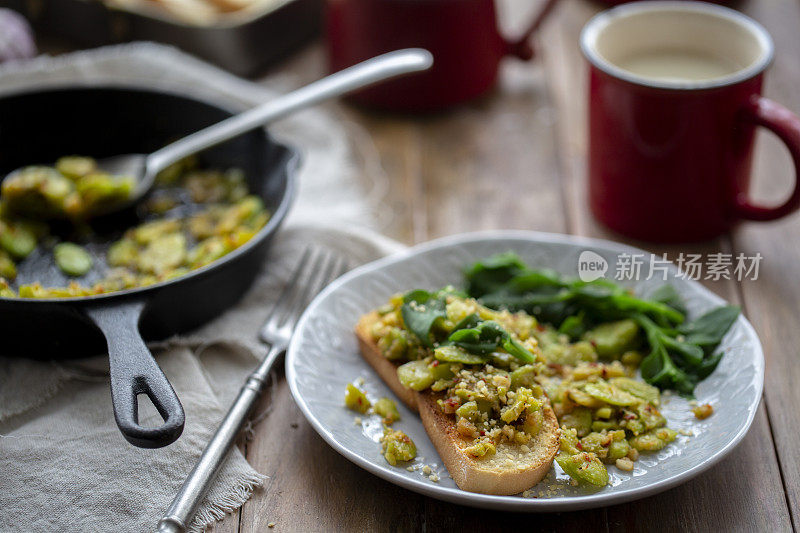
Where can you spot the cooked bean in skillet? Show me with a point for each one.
(194, 217)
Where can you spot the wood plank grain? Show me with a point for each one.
(385, 148)
(731, 496)
(442, 516)
(448, 157)
(313, 488)
(229, 524)
(753, 500)
(773, 301)
(493, 164)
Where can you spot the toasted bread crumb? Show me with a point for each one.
(701, 412)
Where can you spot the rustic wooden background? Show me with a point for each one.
(516, 159)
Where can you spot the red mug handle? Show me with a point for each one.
(786, 125)
(522, 47)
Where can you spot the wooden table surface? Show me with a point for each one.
(516, 159)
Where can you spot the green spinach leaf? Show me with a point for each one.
(667, 294)
(574, 326)
(469, 321)
(708, 330)
(681, 353)
(658, 369)
(421, 310)
(493, 273)
(488, 337)
(482, 339)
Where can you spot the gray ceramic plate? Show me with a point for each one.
(323, 358)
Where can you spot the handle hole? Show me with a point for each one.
(147, 413)
(773, 170)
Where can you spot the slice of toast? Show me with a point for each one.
(511, 470)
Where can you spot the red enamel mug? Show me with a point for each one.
(674, 100)
(462, 35)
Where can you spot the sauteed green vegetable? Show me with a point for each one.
(72, 189)
(193, 218)
(681, 353)
(516, 335)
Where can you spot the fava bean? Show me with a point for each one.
(72, 259)
(101, 188)
(162, 254)
(640, 389)
(207, 251)
(394, 344)
(18, 239)
(397, 446)
(585, 468)
(8, 270)
(610, 394)
(122, 253)
(154, 251)
(579, 419)
(387, 409)
(612, 339)
(75, 167)
(419, 375)
(355, 399)
(150, 231)
(454, 354)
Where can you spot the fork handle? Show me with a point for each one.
(184, 505)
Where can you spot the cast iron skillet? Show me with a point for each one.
(38, 127)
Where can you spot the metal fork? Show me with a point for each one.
(316, 269)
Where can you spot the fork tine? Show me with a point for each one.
(300, 275)
(311, 288)
(295, 288)
(290, 284)
(337, 267)
(316, 267)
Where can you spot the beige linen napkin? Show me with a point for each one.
(63, 464)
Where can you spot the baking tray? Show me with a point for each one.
(242, 45)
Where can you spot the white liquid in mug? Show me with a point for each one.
(678, 65)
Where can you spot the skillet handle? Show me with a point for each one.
(134, 371)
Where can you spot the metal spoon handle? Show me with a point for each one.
(356, 77)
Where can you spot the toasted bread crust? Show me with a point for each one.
(385, 368)
(509, 471)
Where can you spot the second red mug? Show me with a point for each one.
(462, 35)
(674, 100)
